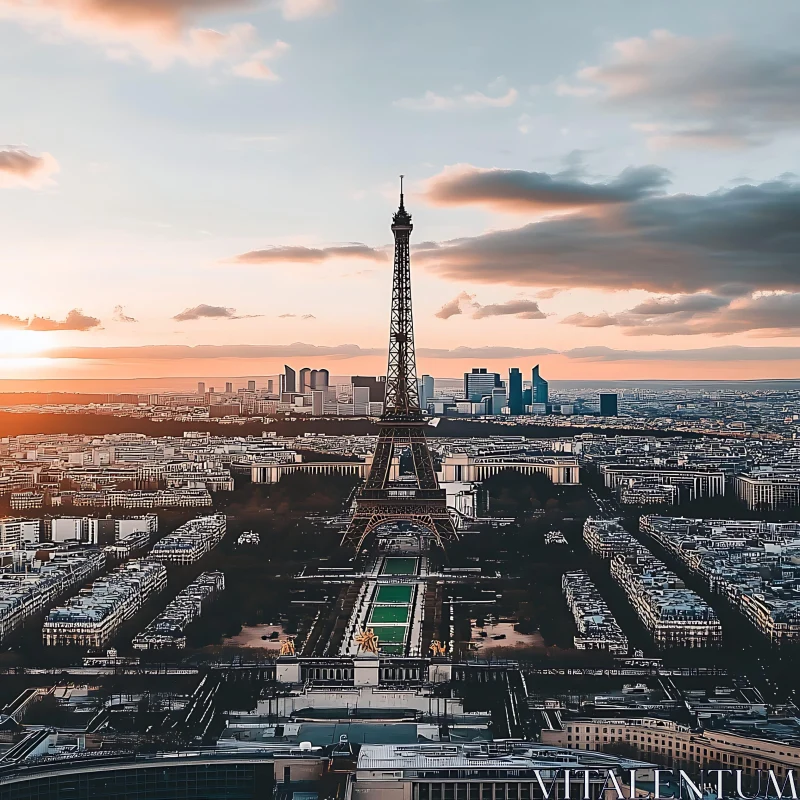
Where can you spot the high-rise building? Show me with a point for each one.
(317, 402)
(360, 401)
(251, 386)
(425, 391)
(539, 387)
(201, 387)
(479, 383)
(320, 379)
(305, 380)
(376, 386)
(499, 400)
(270, 386)
(515, 391)
(288, 380)
(228, 387)
(608, 404)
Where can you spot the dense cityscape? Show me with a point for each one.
(319, 481)
(486, 574)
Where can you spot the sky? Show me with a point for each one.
(205, 187)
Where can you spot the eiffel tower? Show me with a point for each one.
(402, 426)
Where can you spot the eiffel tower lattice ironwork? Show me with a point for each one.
(383, 499)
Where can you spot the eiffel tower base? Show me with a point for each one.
(432, 517)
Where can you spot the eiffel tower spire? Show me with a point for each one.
(383, 498)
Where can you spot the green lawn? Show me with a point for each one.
(399, 566)
(389, 614)
(394, 594)
(393, 634)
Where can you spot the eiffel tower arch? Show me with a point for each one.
(382, 499)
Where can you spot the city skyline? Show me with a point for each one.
(214, 211)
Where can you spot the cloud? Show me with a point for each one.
(121, 316)
(589, 321)
(521, 309)
(487, 352)
(453, 307)
(303, 9)
(11, 321)
(310, 255)
(255, 66)
(775, 314)
(302, 316)
(732, 241)
(204, 311)
(712, 92)
(18, 168)
(75, 320)
(307, 316)
(518, 191)
(179, 352)
(159, 32)
(430, 101)
(701, 354)
(345, 351)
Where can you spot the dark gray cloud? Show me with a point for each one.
(701, 354)
(685, 91)
(75, 320)
(204, 311)
(518, 190)
(686, 315)
(310, 255)
(730, 241)
(521, 309)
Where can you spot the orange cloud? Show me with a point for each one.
(20, 168)
(158, 31)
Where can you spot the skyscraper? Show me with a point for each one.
(305, 380)
(499, 400)
(608, 404)
(425, 391)
(201, 387)
(228, 387)
(288, 380)
(479, 383)
(376, 386)
(539, 387)
(515, 391)
(321, 380)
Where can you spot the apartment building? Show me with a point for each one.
(92, 618)
(191, 541)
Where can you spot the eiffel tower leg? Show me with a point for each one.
(445, 530)
(356, 530)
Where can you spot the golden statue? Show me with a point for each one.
(438, 650)
(287, 647)
(367, 641)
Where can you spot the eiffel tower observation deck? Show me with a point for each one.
(417, 499)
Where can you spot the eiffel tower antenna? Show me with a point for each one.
(383, 498)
